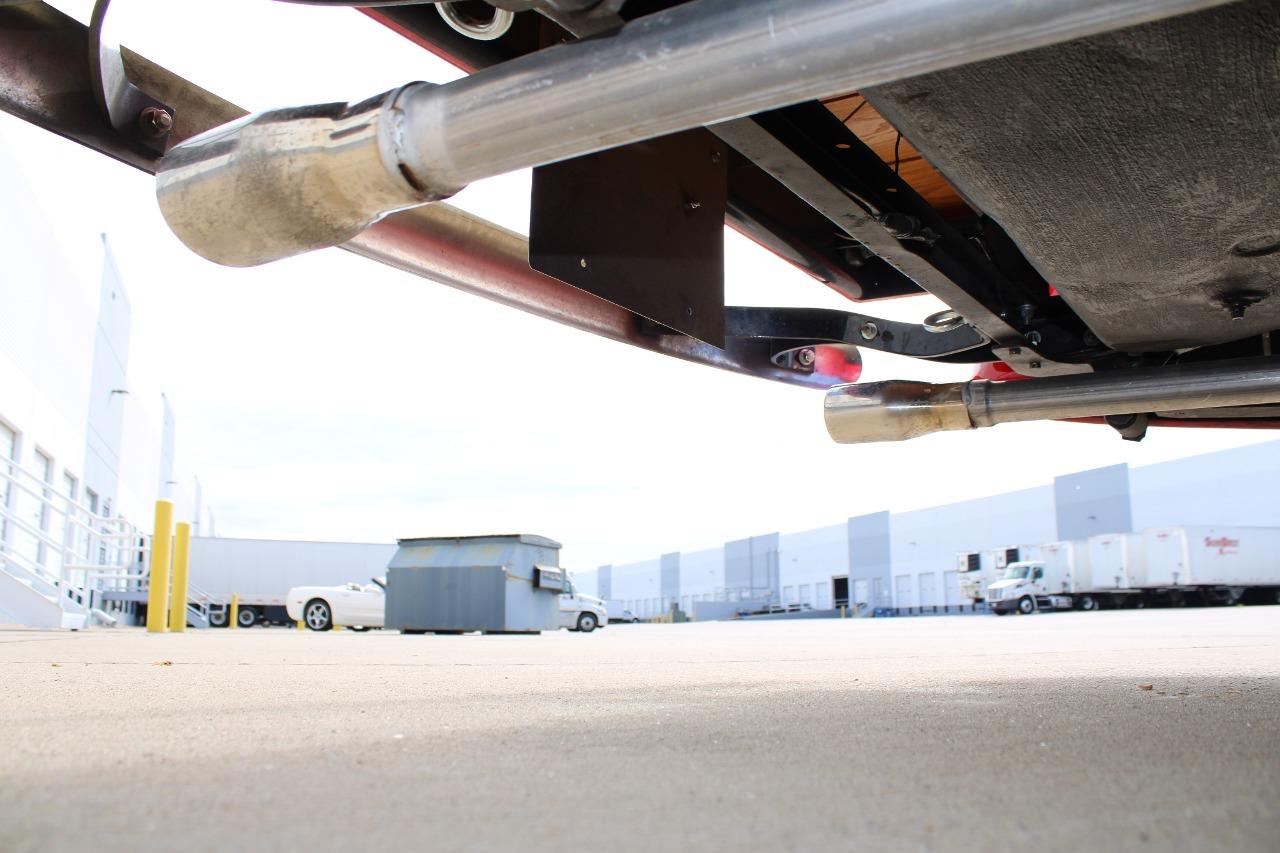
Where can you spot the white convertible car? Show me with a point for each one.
(350, 605)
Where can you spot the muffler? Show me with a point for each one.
(284, 182)
(897, 410)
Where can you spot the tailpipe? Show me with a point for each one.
(287, 181)
(897, 410)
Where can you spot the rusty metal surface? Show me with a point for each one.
(45, 79)
(466, 252)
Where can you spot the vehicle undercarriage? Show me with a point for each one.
(1092, 187)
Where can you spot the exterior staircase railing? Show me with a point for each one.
(60, 550)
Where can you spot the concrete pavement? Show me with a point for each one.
(947, 733)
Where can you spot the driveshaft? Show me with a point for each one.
(897, 410)
(284, 182)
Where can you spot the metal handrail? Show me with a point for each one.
(106, 550)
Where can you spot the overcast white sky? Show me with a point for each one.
(326, 397)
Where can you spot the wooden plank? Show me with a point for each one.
(880, 136)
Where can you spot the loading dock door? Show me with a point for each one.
(840, 591)
(902, 591)
(951, 588)
(928, 589)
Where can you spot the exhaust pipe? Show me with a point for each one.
(898, 410)
(284, 182)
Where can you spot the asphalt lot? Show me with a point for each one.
(946, 733)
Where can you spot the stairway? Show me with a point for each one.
(56, 556)
(28, 598)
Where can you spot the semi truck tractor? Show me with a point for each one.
(1049, 582)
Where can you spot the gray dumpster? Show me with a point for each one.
(475, 583)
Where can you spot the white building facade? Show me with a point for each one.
(82, 448)
(907, 561)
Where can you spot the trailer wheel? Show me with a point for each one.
(317, 615)
(218, 618)
(247, 617)
(586, 622)
(1140, 603)
(1026, 605)
(1087, 602)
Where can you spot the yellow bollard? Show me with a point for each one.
(158, 585)
(234, 616)
(181, 564)
(301, 625)
(337, 627)
(842, 611)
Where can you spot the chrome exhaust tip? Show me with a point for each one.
(284, 182)
(895, 410)
(898, 410)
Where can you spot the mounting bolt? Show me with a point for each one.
(155, 121)
(582, 262)
(806, 357)
(1240, 301)
(715, 156)
(1033, 339)
(1035, 365)
(869, 330)
(692, 204)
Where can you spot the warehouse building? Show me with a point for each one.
(85, 449)
(906, 561)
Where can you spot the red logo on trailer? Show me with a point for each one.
(1224, 544)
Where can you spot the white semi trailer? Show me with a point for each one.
(261, 571)
(976, 570)
(1214, 564)
(1118, 562)
(1167, 565)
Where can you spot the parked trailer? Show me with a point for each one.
(1117, 562)
(977, 570)
(1160, 566)
(261, 572)
(1213, 564)
(1104, 571)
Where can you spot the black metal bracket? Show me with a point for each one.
(794, 328)
(641, 226)
(819, 159)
